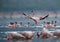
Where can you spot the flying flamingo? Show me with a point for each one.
(36, 19)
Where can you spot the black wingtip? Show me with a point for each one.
(44, 17)
(24, 14)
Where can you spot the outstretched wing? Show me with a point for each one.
(31, 18)
(44, 17)
(24, 14)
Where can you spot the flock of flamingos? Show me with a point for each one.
(45, 33)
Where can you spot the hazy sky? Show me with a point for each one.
(14, 5)
(29, 13)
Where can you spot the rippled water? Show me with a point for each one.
(34, 39)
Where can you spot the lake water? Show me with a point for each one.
(4, 22)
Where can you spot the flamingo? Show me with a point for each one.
(45, 33)
(19, 35)
(57, 33)
(36, 19)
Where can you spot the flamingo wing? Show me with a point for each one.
(44, 17)
(30, 18)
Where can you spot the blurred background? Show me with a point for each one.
(11, 10)
(23, 5)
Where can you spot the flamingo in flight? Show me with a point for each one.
(36, 19)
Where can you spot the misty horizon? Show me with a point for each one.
(36, 13)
